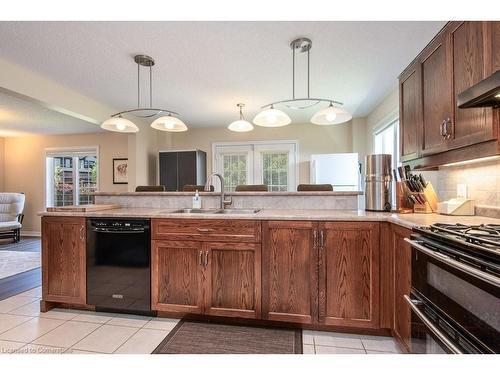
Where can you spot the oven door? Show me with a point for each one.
(433, 333)
(462, 297)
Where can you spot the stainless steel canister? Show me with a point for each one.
(378, 186)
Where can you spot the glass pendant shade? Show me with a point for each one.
(331, 116)
(120, 125)
(169, 124)
(240, 126)
(272, 118)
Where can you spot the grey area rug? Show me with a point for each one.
(191, 337)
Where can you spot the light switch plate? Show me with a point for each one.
(461, 191)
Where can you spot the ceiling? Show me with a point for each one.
(203, 69)
(21, 116)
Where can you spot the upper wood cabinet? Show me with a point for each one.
(289, 271)
(471, 63)
(63, 260)
(410, 113)
(437, 103)
(432, 126)
(349, 274)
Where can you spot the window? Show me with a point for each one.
(386, 141)
(271, 163)
(71, 176)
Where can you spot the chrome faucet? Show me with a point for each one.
(223, 201)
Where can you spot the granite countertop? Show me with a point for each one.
(405, 220)
(233, 193)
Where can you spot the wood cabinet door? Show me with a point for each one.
(402, 285)
(410, 116)
(63, 260)
(437, 98)
(349, 274)
(471, 63)
(289, 271)
(177, 276)
(233, 279)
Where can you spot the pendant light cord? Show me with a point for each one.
(293, 73)
(150, 87)
(138, 86)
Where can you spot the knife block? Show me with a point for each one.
(431, 201)
(402, 204)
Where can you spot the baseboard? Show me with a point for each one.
(30, 233)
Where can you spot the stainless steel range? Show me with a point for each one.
(455, 295)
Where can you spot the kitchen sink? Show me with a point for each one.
(227, 211)
(236, 211)
(195, 211)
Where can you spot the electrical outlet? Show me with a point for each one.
(461, 191)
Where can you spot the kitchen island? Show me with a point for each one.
(322, 269)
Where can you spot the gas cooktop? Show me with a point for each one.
(482, 239)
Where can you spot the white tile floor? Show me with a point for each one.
(23, 329)
(343, 343)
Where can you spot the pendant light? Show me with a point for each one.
(169, 124)
(272, 118)
(240, 125)
(331, 115)
(165, 123)
(119, 124)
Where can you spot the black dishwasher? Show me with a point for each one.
(119, 265)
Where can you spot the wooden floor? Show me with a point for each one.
(26, 244)
(21, 282)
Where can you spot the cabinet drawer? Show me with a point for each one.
(206, 230)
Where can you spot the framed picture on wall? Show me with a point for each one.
(120, 171)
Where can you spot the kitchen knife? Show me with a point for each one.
(418, 184)
(422, 180)
(407, 171)
(401, 173)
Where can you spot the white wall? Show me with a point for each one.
(2, 164)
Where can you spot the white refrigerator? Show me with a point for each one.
(339, 170)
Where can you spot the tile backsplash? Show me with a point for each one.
(482, 180)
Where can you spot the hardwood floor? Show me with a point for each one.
(26, 244)
(23, 281)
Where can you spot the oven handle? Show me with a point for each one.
(495, 281)
(413, 304)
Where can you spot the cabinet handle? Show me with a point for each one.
(200, 258)
(322, 238)
(204, 230)
(315, 238)
(444, 128)
(206, 258)
(82, 228)
(441, 129)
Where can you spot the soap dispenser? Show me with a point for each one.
(197, 200)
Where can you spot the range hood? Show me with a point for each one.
(483, 94)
